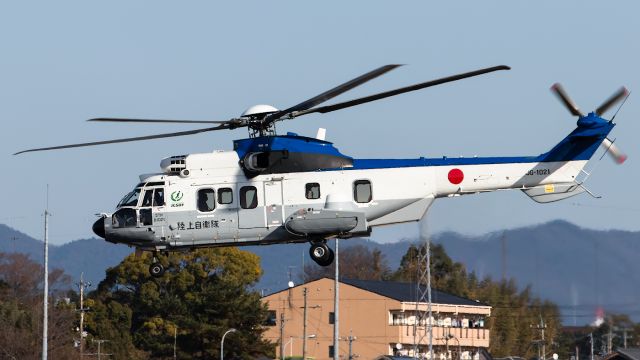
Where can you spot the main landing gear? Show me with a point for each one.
(156, 269)
(321, 253)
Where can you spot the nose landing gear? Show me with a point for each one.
(321, 253)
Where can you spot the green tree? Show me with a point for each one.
(513, 314)
(356, 262)
(202, 294)
(446, 275)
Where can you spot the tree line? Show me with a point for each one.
(206, 292)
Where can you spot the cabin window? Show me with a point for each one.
(206, 200)
(248, 197)
(312, 191)
(158, 197)
(225, 196)
(362, 191)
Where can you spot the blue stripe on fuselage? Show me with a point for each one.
(362, 164)
(580, 144)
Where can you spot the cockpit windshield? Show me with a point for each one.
(131, 199)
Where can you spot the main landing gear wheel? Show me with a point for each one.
(321, 254)
(156, 269)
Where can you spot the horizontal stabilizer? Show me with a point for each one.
(554, 192)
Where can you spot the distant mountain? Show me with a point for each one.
(577, 268)
(91, 256)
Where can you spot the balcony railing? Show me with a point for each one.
(465, 337)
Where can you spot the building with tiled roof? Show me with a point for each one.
(376, 318)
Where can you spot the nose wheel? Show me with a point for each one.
(156, 269)
(321, 254)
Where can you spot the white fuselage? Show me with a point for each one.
(384, 195)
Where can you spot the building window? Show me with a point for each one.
(248, 197)
(312, 191)
(332, 318)
(398, 319)
(206, 200)
(331, 351)
(271, 318)
(362, 191)
(225, 196)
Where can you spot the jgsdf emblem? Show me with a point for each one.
(176, 195)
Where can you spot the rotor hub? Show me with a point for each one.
(259, 111)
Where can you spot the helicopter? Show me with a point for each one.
(273, 189)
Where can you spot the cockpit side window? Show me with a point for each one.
(158, 197)
(206, 200)
(146, 200)
(124, 218)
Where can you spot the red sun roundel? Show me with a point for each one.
(455, 176)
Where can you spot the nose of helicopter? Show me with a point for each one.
(98, 227)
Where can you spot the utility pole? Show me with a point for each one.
(591, 337)
(351, 338)
(282, 334)
(100, 342)
(624, 337)
(336, 307)
(610, 337)
(541, 343)
(45, 305)
(175, 341)
(14, 238)
(304, 326)
(81, 286)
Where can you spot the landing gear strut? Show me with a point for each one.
(156, 269)
(321, 253)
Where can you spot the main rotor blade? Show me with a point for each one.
(566, 100)
(157, 121)
(148, 137)
(319, 99)
(386, 94)
(617, 96)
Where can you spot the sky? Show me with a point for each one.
(64, 62)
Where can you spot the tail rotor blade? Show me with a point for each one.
(614, 99)
(566, 100)
(618, 156)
